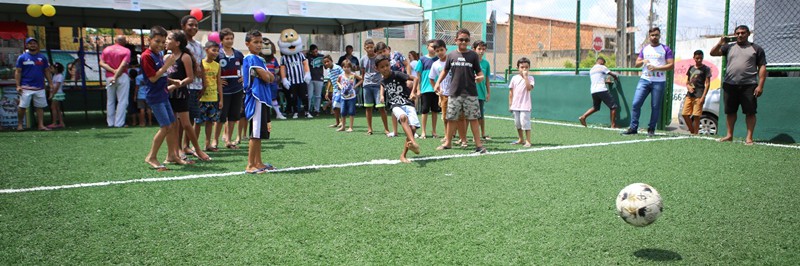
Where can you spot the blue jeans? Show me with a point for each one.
(645, 87)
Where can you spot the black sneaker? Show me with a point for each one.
(651, 132)
(630, 131)
(480, 150)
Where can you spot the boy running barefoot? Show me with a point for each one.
(257, 101)
(395, 93)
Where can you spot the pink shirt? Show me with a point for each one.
(114, 55)
(521, 100)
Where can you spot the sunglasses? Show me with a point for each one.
(463, 39)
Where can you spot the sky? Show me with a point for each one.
(695, 18)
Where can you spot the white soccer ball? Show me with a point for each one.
(639, 204)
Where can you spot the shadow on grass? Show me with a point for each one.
(655, 254)
(509, 147)
(113, 134)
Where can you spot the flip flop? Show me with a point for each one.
(256, 171)
(515, 143)
(212, 149)
(232, 146)
(159, 168)
(527, 145)
(44, 129)
(369, 133)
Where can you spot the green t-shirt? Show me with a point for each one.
(482, 85)
(424, 69)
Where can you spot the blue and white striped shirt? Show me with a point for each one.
(333, 76)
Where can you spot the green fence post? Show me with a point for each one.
(723, 122)
(578, 37)
(510, 38)
(666, 106)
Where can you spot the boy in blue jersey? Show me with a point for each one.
(257, 101)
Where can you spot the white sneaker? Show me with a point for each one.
(391, 134)
(416, 136)
(308, 115)
(294, 116)
(280, 116)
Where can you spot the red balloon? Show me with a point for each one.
(196, 13)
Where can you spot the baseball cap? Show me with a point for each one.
(29, 39)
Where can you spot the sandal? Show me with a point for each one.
(231, 146)
(212, 149)
(369, 133)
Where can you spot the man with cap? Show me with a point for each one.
(114, 61)
(31, 70)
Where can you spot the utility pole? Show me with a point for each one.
(622, 34)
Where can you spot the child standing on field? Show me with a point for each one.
(211, 95)
(334, 95)
(155, 69)
(519, 101)
(57, 97)
(141, 100)
(347, 86)
(257, 102)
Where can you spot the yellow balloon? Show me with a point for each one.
(48, 10)
(34, 10)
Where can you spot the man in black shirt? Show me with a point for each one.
(349, 56)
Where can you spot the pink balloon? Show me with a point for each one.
(259, 16)
(214, 37)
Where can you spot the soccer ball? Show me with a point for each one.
(639, 204)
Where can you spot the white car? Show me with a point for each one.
(710, 117)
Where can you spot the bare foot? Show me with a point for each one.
(749, 142)
(404, 160)
(413, 147)
(583, 120)
(726, 138)
(340, 129)
(350, 129)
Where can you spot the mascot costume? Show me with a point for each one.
(295, 73)
(268, 53)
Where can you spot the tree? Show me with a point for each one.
(588, 62)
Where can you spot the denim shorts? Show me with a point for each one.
(163, 113)
(372, 96)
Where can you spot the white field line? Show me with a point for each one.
(658, 134)
(314, 167)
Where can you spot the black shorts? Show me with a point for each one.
(259, 128)
(231, 107)
(179, 105)
(743, 95)
(605, 97)
(430, 103)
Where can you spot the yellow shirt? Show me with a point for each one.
(212, 71)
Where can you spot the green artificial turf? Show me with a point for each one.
(724, 203)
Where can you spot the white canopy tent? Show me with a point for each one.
(319, 16)
(306, 16)
(104, 13)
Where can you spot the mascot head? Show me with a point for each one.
(290, 42)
